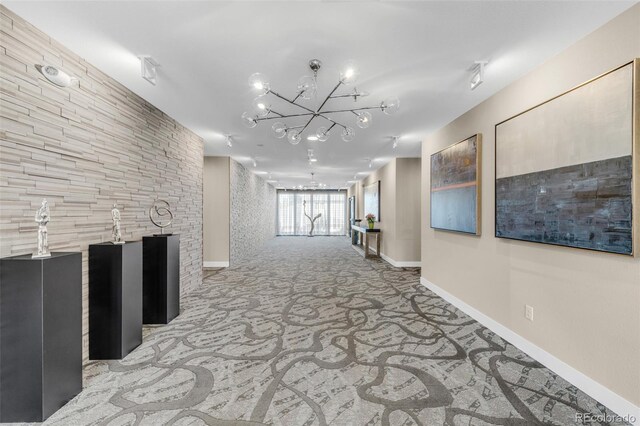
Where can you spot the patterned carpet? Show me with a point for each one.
(310, 333)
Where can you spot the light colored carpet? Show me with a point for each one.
(310, 333)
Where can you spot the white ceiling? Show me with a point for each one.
(418, 51)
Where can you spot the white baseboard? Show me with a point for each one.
(396, 263)
(401, 264)
(586, 384)
(210, 264)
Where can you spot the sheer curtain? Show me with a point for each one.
(331, 204)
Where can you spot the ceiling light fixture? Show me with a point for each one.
(370, 163)
(477, 74)
(311, 157)
(255, 163)
(149, 69)
(396, 139)
(307, 89)
(228, 140)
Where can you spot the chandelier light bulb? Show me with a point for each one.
(307, 87)
(293, 136)
(322, 134)
(349, 73)
(262, 106)
(248, 120)
(390, 105)
(347, 134)
(259, 82)
(280, 129)
(364, 119)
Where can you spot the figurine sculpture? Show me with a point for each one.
(313, 221)
(115, 230)
(43, 215)
(159, 209)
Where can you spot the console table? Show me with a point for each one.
(364, 245)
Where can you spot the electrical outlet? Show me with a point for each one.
(528, 312)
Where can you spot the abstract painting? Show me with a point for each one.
(455, 187)
(372, 199)
(564, 169)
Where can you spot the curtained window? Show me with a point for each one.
(331, 204)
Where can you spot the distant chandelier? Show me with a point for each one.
(306, 89)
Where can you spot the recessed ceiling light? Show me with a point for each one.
(312, 138)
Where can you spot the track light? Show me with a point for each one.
(148, 69)
(477, 74)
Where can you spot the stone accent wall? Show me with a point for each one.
(83, 148)
(253, 212)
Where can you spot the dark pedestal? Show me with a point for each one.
(160, 278)
(115, 299)
(40, 335)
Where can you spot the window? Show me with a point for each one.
(331, 205)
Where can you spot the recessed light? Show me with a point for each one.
(312, 138)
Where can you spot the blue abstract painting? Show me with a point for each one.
(564, 169)
(455, 190)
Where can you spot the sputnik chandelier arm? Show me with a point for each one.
(307, 88)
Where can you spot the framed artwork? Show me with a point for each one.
(456, 186)
(565, 169)
(372, 199)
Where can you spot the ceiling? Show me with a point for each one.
(418, 51)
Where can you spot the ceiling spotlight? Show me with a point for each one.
(477, 74)
(396, 139)
(370, 164)
(149, 69)
(255, 163)
(228, 139)
(311, 157)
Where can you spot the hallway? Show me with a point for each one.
(310, 333)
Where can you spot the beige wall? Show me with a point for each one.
(84, 148)
(399, 207)
(215, 188)
(586, 303)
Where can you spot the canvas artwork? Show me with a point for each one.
(372, 200)
(455, 187)
(564, 168)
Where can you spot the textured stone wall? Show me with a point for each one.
(84, 148)
(253, 212)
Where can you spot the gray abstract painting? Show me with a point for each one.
(564, 168)
(455, 187)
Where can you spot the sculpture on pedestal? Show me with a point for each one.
(313, 221)
(43, 215)
(115, 230)
(157, 211)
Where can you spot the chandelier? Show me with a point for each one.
(306, 90)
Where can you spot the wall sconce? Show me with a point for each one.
(56, 76)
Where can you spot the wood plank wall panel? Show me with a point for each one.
(83, 148)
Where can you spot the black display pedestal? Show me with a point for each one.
(115, 299)
(160, 278)
(41, 335)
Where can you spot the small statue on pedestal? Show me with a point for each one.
(43, 215)
(115, 230)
